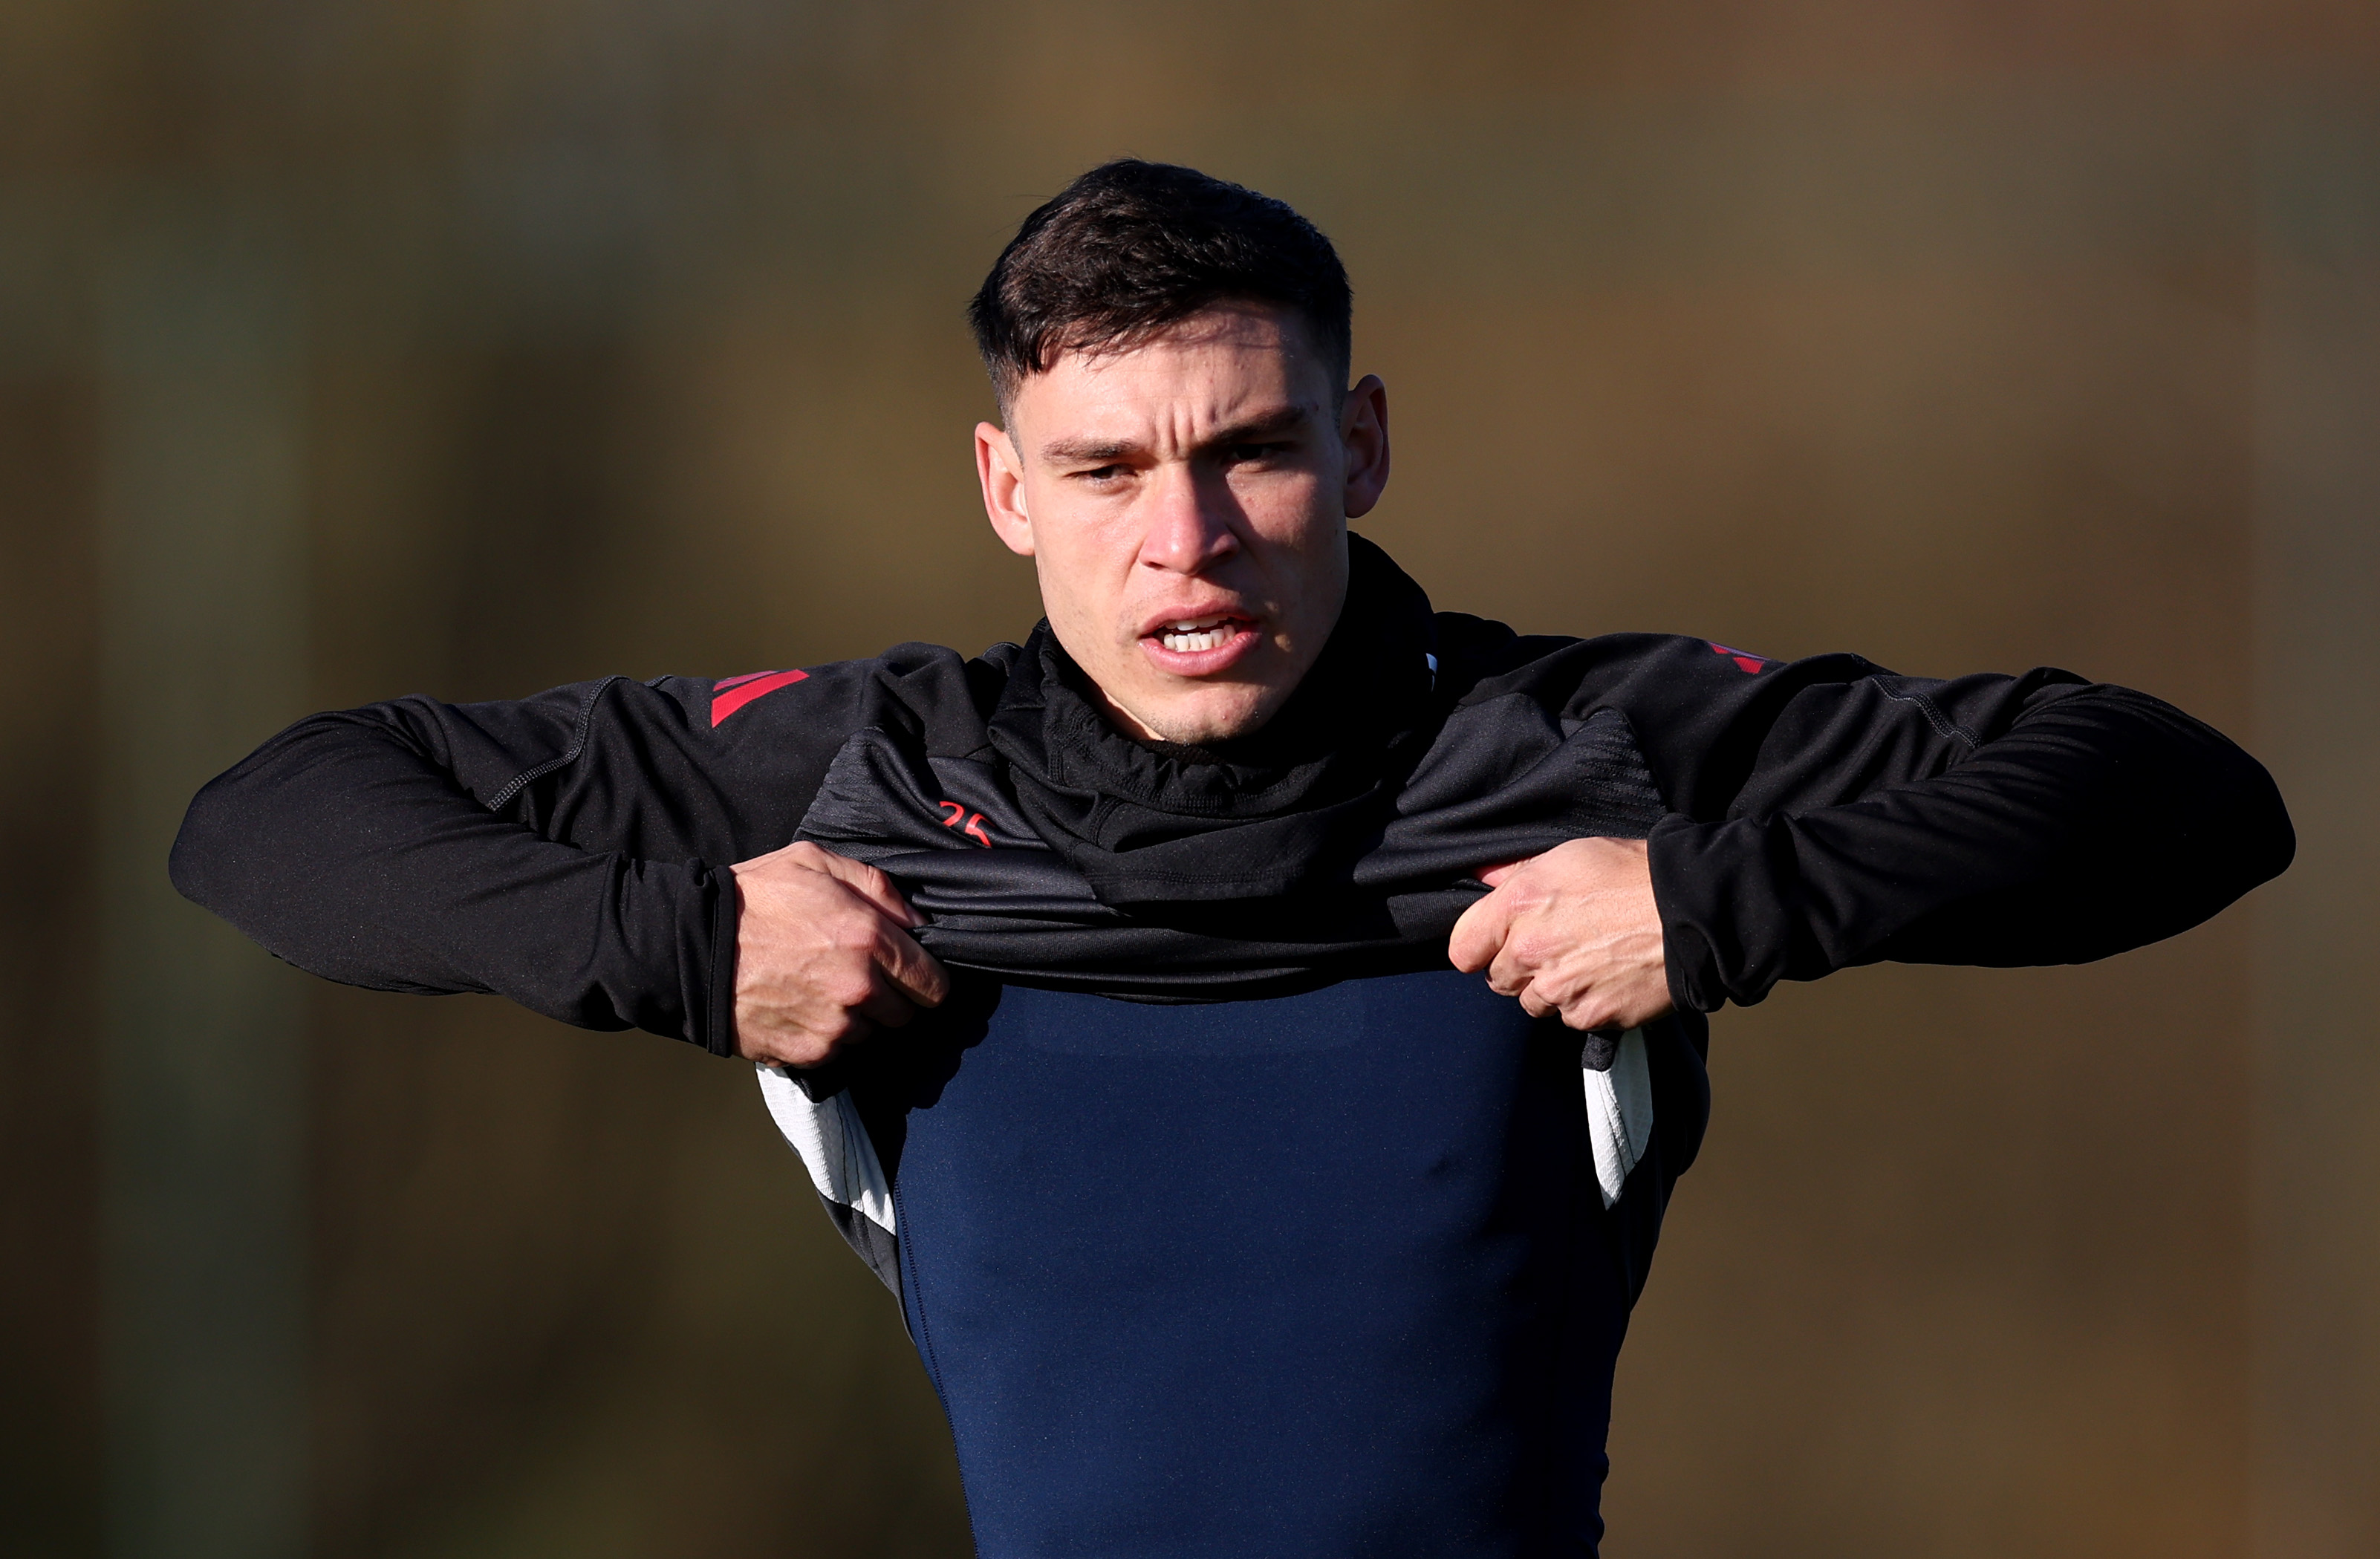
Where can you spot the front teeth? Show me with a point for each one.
(1188, 638)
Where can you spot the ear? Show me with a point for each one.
(1002, 475)
(1364, 430)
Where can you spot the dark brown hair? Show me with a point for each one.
(1132, 247)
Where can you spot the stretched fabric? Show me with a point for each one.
(1342, 840)
(569, 851)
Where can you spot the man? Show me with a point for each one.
(1121, 990)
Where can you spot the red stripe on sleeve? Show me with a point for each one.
(747, 688)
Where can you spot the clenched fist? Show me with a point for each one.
(1573, 931)
(823, 956)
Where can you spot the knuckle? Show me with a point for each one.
(803, 1049)
(1588, 1014)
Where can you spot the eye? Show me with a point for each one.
(1100, 474)
(1242, 454)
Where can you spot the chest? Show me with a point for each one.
(1167, 1263)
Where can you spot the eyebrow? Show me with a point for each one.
(1104, 452)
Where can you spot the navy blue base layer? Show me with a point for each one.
(1325, 1275)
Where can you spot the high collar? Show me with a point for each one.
(1285, 808)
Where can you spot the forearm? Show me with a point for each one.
(348, 847)
(2100, 822)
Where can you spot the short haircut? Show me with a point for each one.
(1131, 248)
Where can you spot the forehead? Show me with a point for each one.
(1216, 365)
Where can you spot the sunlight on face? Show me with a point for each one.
(1186, 503)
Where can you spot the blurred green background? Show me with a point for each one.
(472, 347)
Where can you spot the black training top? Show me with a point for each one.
(569, 851)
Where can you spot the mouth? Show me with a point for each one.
(1198, 644)
(1192, 635)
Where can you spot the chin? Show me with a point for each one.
(1202, 723)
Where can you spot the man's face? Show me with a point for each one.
(1186, 503)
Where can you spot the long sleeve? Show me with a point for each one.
(1827, 814)
(568, 852)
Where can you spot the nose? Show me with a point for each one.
(1190, 527)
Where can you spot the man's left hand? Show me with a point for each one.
(1573, 931)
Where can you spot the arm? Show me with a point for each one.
(569, 851)
(1827, 813)
(2050, 823)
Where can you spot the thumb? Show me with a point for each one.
(873, 885)
(1478, 936)
(918, 973)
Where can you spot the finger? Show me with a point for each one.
(1508, 973)
(1480, 934)
(1587, 1014)
(799, 1047)
(1494, 876)
(811, 1051)
(871, 885)
(884, 1006)
(915, 972)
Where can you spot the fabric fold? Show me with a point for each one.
(1342, 840)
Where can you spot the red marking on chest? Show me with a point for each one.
(974, 828)
(734, 693)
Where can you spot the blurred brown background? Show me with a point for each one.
(469, 347)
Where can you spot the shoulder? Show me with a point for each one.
(1489, 661)
(927, 690)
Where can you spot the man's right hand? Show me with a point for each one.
(823, 956)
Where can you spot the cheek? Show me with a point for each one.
(1287, 508)
(1082, 585)
(1299, 521)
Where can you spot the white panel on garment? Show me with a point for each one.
(1620, 1113)
(833, 1145)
